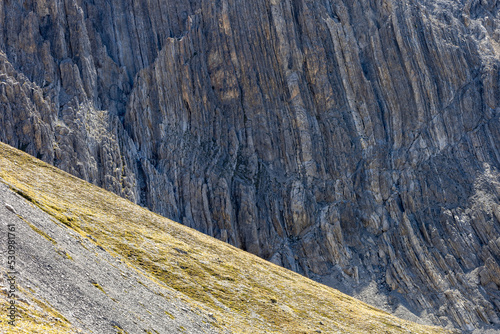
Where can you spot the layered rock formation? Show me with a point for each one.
(350, 139)
(88, 261)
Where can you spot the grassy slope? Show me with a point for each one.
(245, 293)
(37, 318)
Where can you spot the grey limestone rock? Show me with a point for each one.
(351, 140)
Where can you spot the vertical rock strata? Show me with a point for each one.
(349, 138)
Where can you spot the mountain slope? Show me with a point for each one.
(354, 142)
(99, 262)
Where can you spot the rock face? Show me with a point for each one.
(88, 261)
(350, 139)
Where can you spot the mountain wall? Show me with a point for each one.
(88, 261)
(351, 140)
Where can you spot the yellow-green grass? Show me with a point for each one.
(243, 293)
(34, 316)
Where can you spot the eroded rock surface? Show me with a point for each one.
(349, 139)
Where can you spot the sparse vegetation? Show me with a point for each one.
(37, 230)
(97, 285)
(238, 290)
(35, 317)
(170, 315)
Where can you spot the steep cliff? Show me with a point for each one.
(88, 261)
(350, 141)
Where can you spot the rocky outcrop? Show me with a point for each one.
(356, 140)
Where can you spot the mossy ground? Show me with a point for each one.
(34, 316)
(243, 293)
